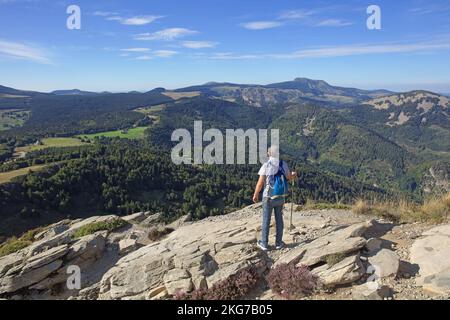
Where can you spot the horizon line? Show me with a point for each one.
(173, 88)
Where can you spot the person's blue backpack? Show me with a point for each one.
(280, 183)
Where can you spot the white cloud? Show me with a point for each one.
(164, 53)
(198, 44)
(430, 9)
(139, 20)
(166, 34)
(157, 54)
(261, 25)
(334, 23)
(104, 13)
(135, 50)
(232, 56)
(306, 17)
(295, 14)
(114, 18)
(344, 51)
(363, 49)
(146, 57)
(131, 21)
(23, 51)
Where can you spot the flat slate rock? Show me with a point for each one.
(386, 263)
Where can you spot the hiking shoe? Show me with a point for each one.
(280, 246)
(261, 246)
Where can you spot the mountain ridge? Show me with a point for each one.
(73, 92)
(297, 81)
(298, 90)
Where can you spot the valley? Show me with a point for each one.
(399, 148)
(255, 151)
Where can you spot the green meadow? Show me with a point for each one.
(134, 133)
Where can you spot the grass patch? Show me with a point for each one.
(8, 176)
(312, 205)
(134, 133)
(15, 244)
(92, 228)
(151, 110)
(51, 143)
(61, 142)
(180, 95)
(433, 210)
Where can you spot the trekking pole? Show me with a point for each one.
(291, 226)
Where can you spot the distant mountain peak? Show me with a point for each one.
(71, 92)
(158, 90)
(300, 79)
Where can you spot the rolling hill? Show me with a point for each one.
(396, 141)
(418, 120)
(299, 90)
(7, 92)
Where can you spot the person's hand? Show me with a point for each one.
(256, 198)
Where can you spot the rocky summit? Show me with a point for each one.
(353, 257)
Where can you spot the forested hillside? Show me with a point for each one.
(66, 115)
(396, 147)
(121, 176)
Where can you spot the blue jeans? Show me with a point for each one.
(277, 206)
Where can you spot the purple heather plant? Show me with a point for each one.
(232, 288)
(290, 281)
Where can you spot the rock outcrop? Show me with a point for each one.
(431, 253)
(385, 263)
(129, 263)
(43, 265)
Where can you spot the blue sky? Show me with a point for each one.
(139, 45)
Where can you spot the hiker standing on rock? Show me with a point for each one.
(273, 176)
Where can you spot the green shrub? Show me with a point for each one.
(13, 245)
(29, 235)
(93, 227)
